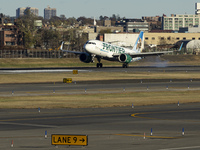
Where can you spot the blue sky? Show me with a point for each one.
(95, 8)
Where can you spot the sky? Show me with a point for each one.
(96, 8)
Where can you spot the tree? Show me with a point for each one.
(50, 38)
(26, 25)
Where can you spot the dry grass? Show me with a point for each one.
(75, 62)
(88, 76)
(94, 100)
(100, 100)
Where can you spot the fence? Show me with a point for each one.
(35, 54)
(61, 54)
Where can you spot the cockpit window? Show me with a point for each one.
(91, 43)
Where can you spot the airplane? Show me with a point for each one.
(107, 51)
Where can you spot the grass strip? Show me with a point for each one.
(100, 100)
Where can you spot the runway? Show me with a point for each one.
(107, 128)
(158, 68)
(110, 86)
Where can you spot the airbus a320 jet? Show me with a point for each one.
(107, 51)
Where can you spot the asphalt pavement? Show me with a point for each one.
(157, 127)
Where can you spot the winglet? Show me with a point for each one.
(181, 47)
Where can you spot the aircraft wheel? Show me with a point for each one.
(99, 65)
(125, 65)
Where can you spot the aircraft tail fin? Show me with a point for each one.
(181, 47)
(61, 46)
(139, 42)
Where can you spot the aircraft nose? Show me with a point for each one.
(85, 45)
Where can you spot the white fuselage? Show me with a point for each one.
(106, 50)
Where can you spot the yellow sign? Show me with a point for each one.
(67, 80)
(81, 140)
(75, 71)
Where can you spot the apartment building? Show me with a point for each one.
(10, 36)
(49, 12)
(179, 21)
(133, 25)
(21, 11)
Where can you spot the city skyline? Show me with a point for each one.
(94, 8)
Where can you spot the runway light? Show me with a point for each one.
(85, 90)
(12, 144)
(183, 131)
(144, 136)
(132, 105)
(188, 86)
(170, 81)
(45, 136)
(124, 89)
(74, 82)
(191, 80)
(54, 91)
(151, 131)
(147, 87)
(39, 109)
(141, 81)
(167, 87)
(12, 92)
(178, 104)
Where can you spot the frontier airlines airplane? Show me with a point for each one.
(103, 50)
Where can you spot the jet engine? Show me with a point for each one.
(85, 57)
(125, 58)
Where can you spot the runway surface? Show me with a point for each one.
(107, 128)
(158, 68)
(111, 86)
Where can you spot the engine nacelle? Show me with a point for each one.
(85, 57)
(125, 58)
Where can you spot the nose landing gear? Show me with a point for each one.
(99, 65)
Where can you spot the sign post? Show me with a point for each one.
(80, 140)
(75, 71)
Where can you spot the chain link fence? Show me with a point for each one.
(35, 54)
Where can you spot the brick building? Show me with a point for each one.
(10, 36)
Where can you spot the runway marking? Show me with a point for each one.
(136, 115)
(155, 137)
(192, 147)
(41, 118)
(25, 124)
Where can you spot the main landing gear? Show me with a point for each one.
(125, 65)
(99, 65)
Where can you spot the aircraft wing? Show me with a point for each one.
(146, 54)
(150, 54)
(74, 52)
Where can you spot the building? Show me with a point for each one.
(10, 35)
(179, 21)
(49, 12)
(38, 24)
(133, 25)
(107, 23)
(97, 29)
(197, 8)
(168, 38)
(21, 11)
